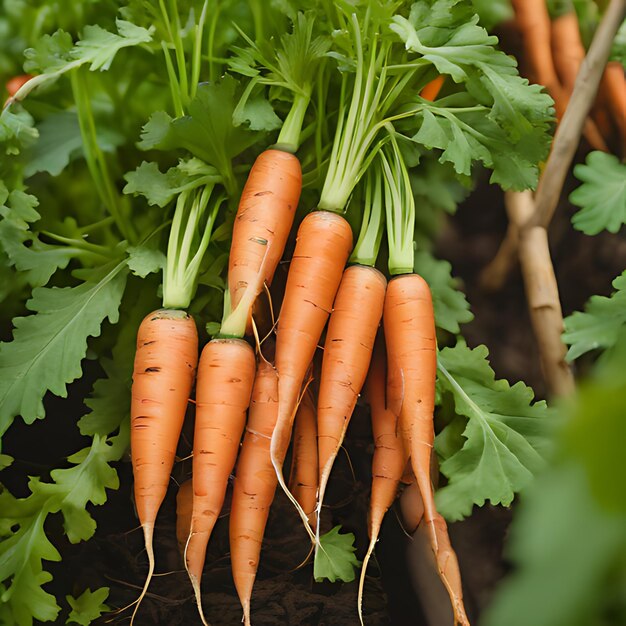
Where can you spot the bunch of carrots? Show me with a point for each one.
(554, 52)
(237, 392)
(378, 335)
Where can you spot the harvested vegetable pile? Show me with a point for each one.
(221, 215)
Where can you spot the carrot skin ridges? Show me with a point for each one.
(163, 375)
(254, 486)
(410, 336)
(348, 349)
(266, 212)
(225, 377)
(389, 458)
(322, 247)
(303, 482)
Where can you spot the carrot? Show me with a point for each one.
(223, 388)
(13, 84)
(184, 504)
(322, 247)
(432, 89)
(255, 484)
(533, 20)
(389, 457)
(567, 48)
(569, 53)
(266, 211)
(614, 87)
(348, 349)
(411, 507)
(303, 480)
(164, 370)
(411, 348)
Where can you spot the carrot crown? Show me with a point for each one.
(189, 238)
(366, 250)
(288, 66)
(399, 208)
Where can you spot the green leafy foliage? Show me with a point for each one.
(88, 607)
(602, 195)
(55, 55)
(451, 307)
(335, 559)
(56, 334)
(503, 443)
(501, 120)
(22, 553)
(158, 188)
(568, 541)
(599, 326)
(207, 131)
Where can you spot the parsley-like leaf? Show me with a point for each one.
(48, 347)
(88, 606)
(602, 195)
(504, 440)
(451, 307)
(599, 326)
(334, 558)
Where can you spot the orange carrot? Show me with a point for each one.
(13, 84)
(303, 480)
(184, 504)
(255, 484)
(348, 349)
(569, 53)
(412, 507)
(533, 21)
(567, 48)
(389, 457)
(164, 370)
(266, 211)
(411, 349)
(432, 89)
(614, 86)
(223, 388)
(322, 249)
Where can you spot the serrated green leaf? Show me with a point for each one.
(82, 484)
(334, 558)
(158, 188)
(48, 347)
(21, 557)
(97, 48)
(88, 606)
(505, 439)
(257, 114)
(17, 131)
(18, 207)
(143, 261)
(602, 195)
(599, 326)
(208, 131)
(36, 260)
(500, 120)
(451, 307)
